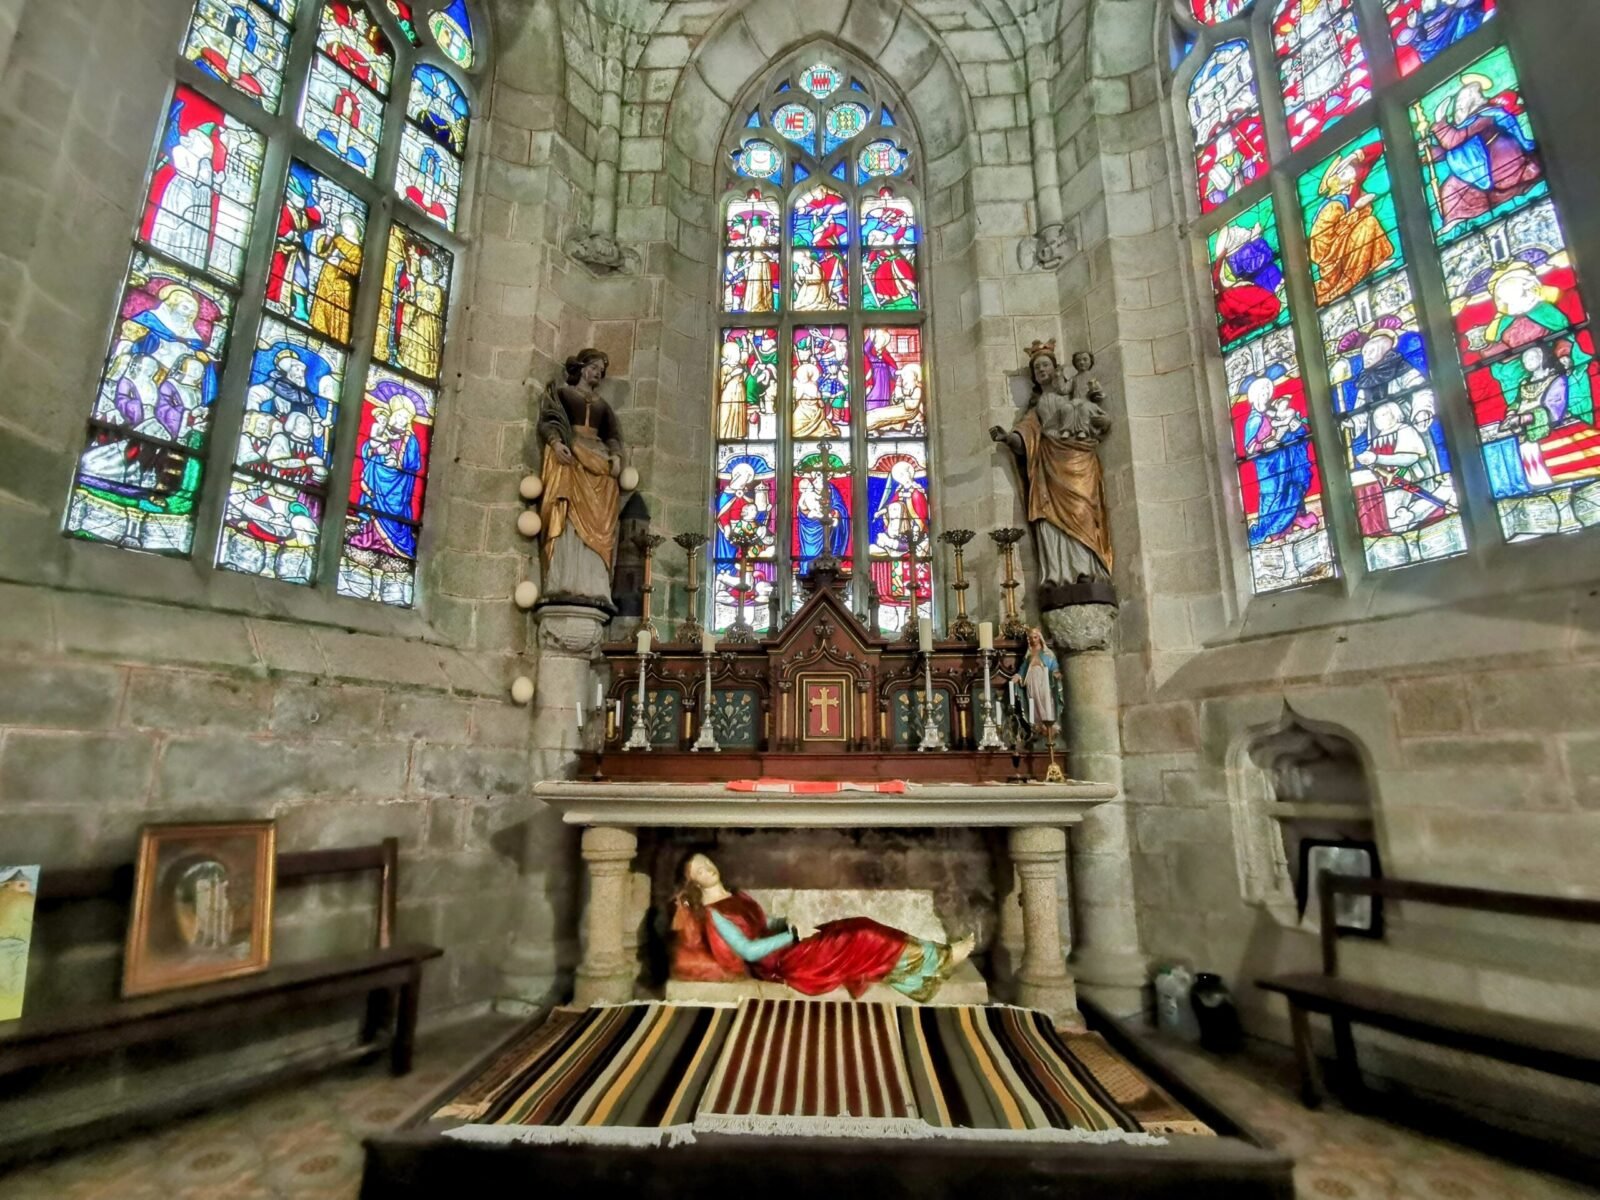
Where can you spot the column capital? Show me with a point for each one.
(608, 844)
(1037, 844)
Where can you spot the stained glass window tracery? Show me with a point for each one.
(140, 479)
(819, 407)
(1521, 332)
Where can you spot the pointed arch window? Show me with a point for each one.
(820, 406)
(1384, 391)
(245, 307)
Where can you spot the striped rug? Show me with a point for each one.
(838, 1068)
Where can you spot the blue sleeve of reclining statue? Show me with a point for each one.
(749, 949)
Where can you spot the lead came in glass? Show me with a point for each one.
(316, 259)
(1424, 29)
(1321, 64)
(243, 44)
(747, 395)
(1225, 119)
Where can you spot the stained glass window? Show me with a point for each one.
(343, 106)
(242, 43)
(434, 143)
(1522, 336)
(1225, 117)
(1212, 12)
(1424, 29)
(820, 406)
(1321, 64)
(451, 27)
(204, 218)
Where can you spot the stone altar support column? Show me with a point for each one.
(1043, 981)
(568, 637)
(1106, 956)
(606, 974)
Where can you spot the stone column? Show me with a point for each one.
(606, 974)
(542, 949)
(1043, 982)
(1106, 957)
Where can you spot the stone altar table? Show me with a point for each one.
(1036, 815)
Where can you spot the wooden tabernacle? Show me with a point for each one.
(824, 698)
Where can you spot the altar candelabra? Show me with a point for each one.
(745, 539)
(932, 735)
(827, 560)
(913, 627)
(991, 739)
(962, 627)
(647, 543)
(707, 739)
(639, 737)
(1007, 539)
(689, 630)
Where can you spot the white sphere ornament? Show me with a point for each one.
(527, 594)
(528, 523)
(522, 689)
(531, 487)
(628, 481)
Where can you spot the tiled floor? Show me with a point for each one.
(304, 1143)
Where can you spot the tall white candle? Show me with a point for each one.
(925, 636)
(644, 642)
(580, 714)
(599, 695)
(708, 642)
(1032, 719)
(985, 635)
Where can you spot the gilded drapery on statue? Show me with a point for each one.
(1056, 443)
(581, 497)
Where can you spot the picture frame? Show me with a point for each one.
(1359, 916)
(202, 905)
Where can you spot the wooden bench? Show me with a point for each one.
(389, 975)
(1564, 1050)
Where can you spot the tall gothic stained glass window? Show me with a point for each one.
(306, 411)
(820, 404)
(1479, 204)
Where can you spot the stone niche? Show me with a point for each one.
(959, 866)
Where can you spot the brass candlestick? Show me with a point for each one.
(962, 627)
(690, 629)
(1007, 539)
(647, 543)
(909, 634)
(746, 539)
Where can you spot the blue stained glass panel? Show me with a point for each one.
(451, 27)
(440, 107)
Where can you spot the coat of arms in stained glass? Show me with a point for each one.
(451, 27)
(1424, 29)
(1321, 64)
(820, 81)
(1225, 117)
(881, 158)
(797, 123)
(1480, 160)
(842, 122)
(200, 206)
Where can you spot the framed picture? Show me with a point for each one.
(19, 888)
(1359, 915)
(202, 905)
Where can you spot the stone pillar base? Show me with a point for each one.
(1115, 980)
(1043, 982)
(607, 972)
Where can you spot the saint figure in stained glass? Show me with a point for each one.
(746, 502)
(291, 405)
(1350, 219)
(892, 366)
(810, 504)
(819, 397)
(440, 107)
(201, 204)
(1424, 29)
(748, 388)
(316, 259)
(1477, 146)
(416, 285)
(1247, 276)
(243, 44)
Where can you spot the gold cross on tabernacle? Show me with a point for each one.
(826, 698)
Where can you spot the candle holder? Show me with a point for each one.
(911, 633)
(1053, 774)
(745, 539)
(827, 560)
(707, 739)
(962, 628)
(1007, 539)
(991, 739)
(639, 737)
(691, 629)
(932, 735)
(647, 543)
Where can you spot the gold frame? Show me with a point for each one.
(138, 978)
(846, 718)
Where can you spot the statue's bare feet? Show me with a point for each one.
(961, 949)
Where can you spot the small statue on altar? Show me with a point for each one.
(582, 495)
(720, 936)
(1057, 444)
(1038, 680)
